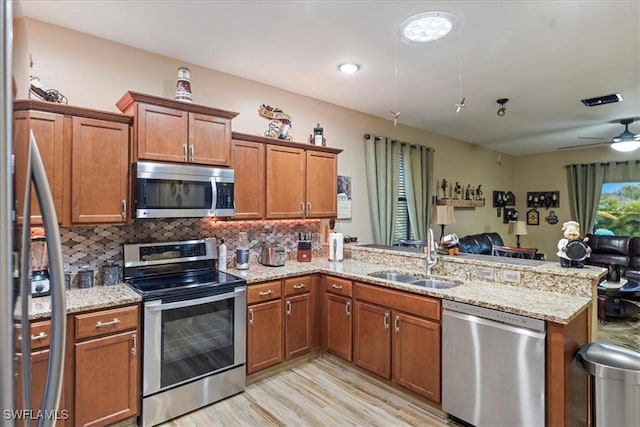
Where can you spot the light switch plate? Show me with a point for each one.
(485, 273)
(511, 276)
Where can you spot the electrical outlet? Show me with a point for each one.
(511, 276)
(485, 273)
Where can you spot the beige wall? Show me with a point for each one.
(95, 73)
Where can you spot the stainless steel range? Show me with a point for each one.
(194, 327)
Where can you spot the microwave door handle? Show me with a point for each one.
(214, 195)
(158, 306)
(53, 384)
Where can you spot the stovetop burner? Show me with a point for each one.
(176, 269)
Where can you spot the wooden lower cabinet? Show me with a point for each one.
(264, 335)
(337, 326)
(298, 312)
(393, 340)
(106, 379)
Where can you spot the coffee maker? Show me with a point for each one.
(39, 267)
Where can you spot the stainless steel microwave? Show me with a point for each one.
(163, 190)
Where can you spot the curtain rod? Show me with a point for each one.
(378, 138)
(621, 162)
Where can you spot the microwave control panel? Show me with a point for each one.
(224, 195)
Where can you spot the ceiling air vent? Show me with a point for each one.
(601, 100)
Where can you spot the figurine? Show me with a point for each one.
(571, 232)
(457, 191)
(468, 195)
(479, 192)
(444, 188)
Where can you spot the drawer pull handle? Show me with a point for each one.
(100, 323)
(265, 293)
(40, 336)
(334, 286)
(300, 286)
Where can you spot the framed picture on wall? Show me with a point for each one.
(533, 217)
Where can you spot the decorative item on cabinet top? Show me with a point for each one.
(280, 124)
(127, 102)
(273, 141)
(543, 199)
(458, 195)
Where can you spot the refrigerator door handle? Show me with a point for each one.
(53, 384)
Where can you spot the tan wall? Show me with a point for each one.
(95, 73)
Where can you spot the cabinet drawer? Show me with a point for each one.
(297, 285)
(264, 291)
(338, 286)
(106, 322)
(404, 301)
(40, 335)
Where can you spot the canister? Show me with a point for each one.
(85, 278)
(110, 274)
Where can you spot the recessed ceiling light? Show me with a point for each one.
(427, 27)
(348, 68)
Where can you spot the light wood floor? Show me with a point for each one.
(321, 392)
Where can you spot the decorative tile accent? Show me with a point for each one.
(90, 247)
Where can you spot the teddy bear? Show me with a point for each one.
(571, 232)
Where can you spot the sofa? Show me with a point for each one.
(623, 251)
(480, 243)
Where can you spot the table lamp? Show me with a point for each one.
(442, 215)
(519, 229)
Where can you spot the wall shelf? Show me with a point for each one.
(461, 203)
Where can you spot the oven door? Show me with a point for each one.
(189, 339)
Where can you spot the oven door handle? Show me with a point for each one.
(157, 305)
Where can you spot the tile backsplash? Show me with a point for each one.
(91, 247)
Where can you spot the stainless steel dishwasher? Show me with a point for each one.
(493, 366)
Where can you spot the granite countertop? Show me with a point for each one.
(78, 300)
(550, 306)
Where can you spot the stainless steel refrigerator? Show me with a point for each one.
(15, 286)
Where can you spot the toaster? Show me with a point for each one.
(272, 256)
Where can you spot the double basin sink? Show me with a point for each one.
(413, 280)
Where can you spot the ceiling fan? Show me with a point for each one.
(626, 141)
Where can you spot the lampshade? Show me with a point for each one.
(518, 228)
(442, 215)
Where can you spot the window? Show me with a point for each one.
(402, 226)
(619, 209)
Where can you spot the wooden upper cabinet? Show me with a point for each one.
(322, 185)
(179, 132)
(48, 130)
(99, 172)
(247, 161)
(285, 182)
(86, 157)
(161, 133)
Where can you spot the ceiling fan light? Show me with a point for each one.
(626, 146)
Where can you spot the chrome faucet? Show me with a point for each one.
(432, 252)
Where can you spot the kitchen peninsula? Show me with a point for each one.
(560, 297)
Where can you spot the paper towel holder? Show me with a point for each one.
(336, 241)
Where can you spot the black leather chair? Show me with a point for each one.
(481, 244)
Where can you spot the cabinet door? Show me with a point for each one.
(297, 325)
(39, 366)
(285, 182)
(106, 383)
(372, 345)
(209, 140)
(337, 326)
(162, 133)
(99, 172)
(322, 196)
(416, 355)
(264, 335)
(247, 160)
(48, 130)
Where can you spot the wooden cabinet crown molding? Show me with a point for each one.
(125, 104)
(282, 142)
(70, 110)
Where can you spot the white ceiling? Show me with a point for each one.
(545, 56)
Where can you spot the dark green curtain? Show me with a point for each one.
(418, 176)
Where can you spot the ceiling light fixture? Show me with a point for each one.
(348, 68)
(501, 109)
(626, 141)
(427, 27)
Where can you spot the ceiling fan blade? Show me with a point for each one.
(592, 137)
(584, 145)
